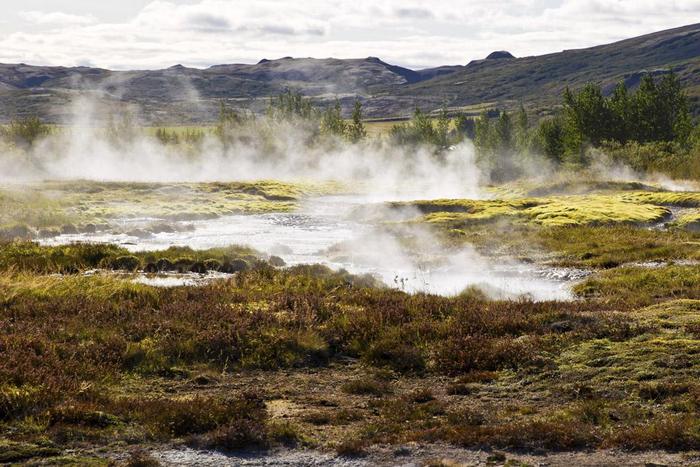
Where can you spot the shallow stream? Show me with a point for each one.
(312, 234)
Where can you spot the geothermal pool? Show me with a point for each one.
(312, 235)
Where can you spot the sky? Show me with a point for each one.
(151, 34)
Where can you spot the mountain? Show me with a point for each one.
(179, 94)
(539, 81)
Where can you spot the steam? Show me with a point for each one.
(281, 151)
(411, 257)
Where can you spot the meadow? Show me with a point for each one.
(266, 353)
(304, 357)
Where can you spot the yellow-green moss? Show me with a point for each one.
(554, 211)
(53, 204)
(594, 209)
(689, 221)
(664, 198)
(666, 350)
(642, 284)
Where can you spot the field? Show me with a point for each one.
(96, 366)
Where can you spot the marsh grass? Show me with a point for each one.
(564, 210)
(76, 257)
(54, 204)
(87, 360)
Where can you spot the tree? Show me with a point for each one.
(332, 122)
(522, 130)
(356, 130)
(646, 111)
(587, 115)
(465, 126)
(551, 136)
(291, 105)
(25, 132)
(442, 130)
(505, 134)
(419, 130)
(677, 123)
(621, 114)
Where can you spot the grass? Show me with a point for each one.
(57, 205)
(91, 359)
(305, 356)
(689, 221)
(631, 285)
(578, 210)
(73, 258)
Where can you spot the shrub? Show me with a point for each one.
(141, 458)
(183, 264)
(353, 447)
(126, 263)
(198, 415)
(398, 355)
(670, 432)
(164, 264)
(466, 353)
(366, 387)
(212, 265)
(237, 265)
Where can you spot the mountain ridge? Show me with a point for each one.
(167, 95)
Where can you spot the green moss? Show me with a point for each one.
(560, 211)
(665, 198)
(29, 256)
(53, 204)
(689, 221)
(17, 452)
(594, 209)
(667, 351)
(642, 284)
(567, 186)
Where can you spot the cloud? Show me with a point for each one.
(415, 13)
(206, 22)
(405, 32)
(56, 18)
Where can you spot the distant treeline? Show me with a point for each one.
(650, 129)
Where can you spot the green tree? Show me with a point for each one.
(465, 126)
(228, 123)
(505, 134)
(291, 105)
(484, 135)
(522, 130)
(551, 136)
(442, 130)
(621, 118)
(587, 115)
(677, 125)
(419, 130)
(356, 130)
(25, 132)
(332, 122)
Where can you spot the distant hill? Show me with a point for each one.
(540, 81)
(179, 94)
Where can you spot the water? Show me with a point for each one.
(313, 234)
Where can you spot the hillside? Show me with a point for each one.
(179, 94)
(540, 80)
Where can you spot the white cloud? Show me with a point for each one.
(406, 32)
(56, 18)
